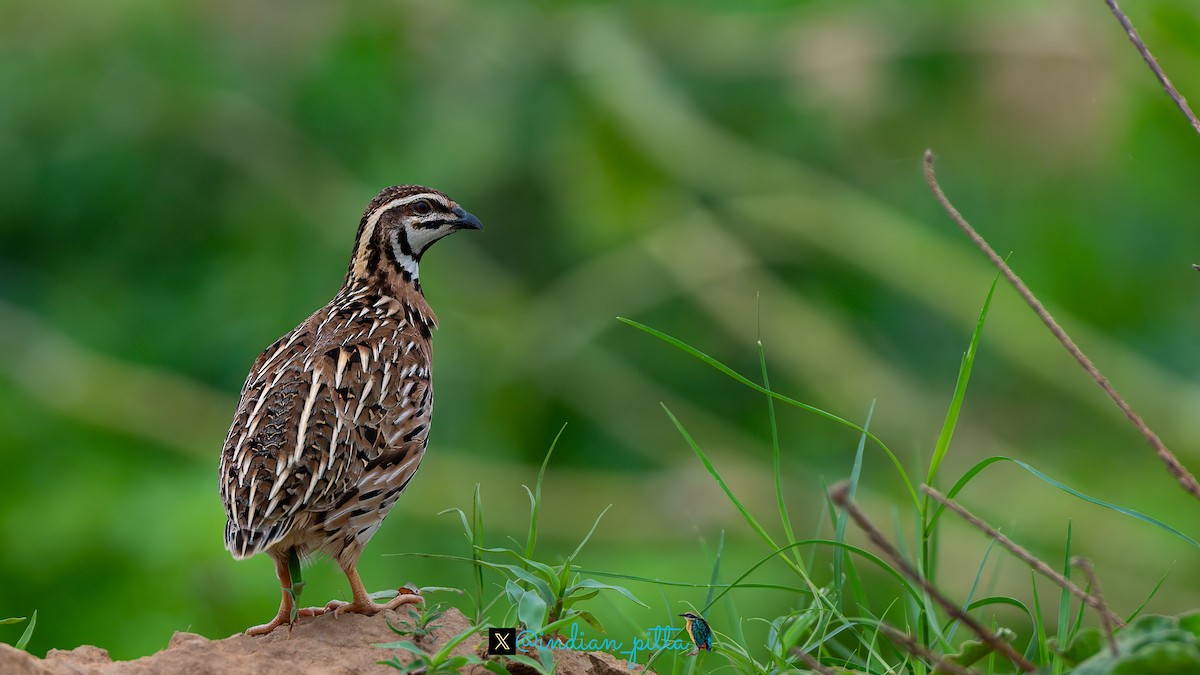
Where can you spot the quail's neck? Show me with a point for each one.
(399, 283)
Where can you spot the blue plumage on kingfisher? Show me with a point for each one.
(698, 630)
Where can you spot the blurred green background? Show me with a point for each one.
(181, 183)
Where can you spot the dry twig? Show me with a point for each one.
(1105, 621)
(1174, 467)
(910, 644)
(1093, 601)
(1180, 101)
(839, 494)
(812, 663)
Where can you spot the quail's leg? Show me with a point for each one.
(363, 604)
(284, 616)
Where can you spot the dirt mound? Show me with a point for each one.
(323, 644)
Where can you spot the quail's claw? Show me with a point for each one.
(406, 597)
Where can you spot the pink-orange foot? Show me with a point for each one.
(369, 607)
(282, 619)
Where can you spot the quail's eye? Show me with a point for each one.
(422, 207)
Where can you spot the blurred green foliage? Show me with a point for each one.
(181, 183)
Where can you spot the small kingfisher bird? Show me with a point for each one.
(698, 630)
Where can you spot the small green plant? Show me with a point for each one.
(1149, 645)
(543, 597)
(442, 661)
(24, 639)
(422, 620)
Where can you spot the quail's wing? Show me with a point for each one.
(313, 420)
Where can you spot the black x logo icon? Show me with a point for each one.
(502, 641)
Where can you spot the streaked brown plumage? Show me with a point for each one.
(334, 416)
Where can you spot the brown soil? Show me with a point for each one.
(324, 644)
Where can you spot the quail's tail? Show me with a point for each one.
(243, 543)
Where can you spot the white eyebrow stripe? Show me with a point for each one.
(402, 201)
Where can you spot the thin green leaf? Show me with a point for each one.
(705, 358)
(1150, 597)
(974, 587)
(442, 654)
(570, 618)
(1064, 603)
(960, 390)
(843, 515)
(601, 573)
(548, 575)
(784, 517)
(1000, 599)
(715, 577)
(749, 518)
(592, 583)
(535, 497)
(465, 524)
(476, 544)
(15, 619)
(575, 598)
(1039, 624)
(590, 532)
(975, 470)
(736, 583)
(25, 636)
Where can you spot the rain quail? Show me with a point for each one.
(334, 415)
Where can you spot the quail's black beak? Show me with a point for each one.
(466, 221)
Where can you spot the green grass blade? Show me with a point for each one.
(1064, 604)
(784, 517)
(1119, 509)
(590, 532)
(1001, 600)
(592, 583)
(1153, 592)
(710, 361)
(843, 516)
(737, 583)
(535, 497)
(541, 569)
(1137, 515)
(1043, 653)
(25, 636)
(974, 587)
(444, 653)
(960, 391)
(749, 518)
(476, 547)
(465, 523)
(715, 577)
